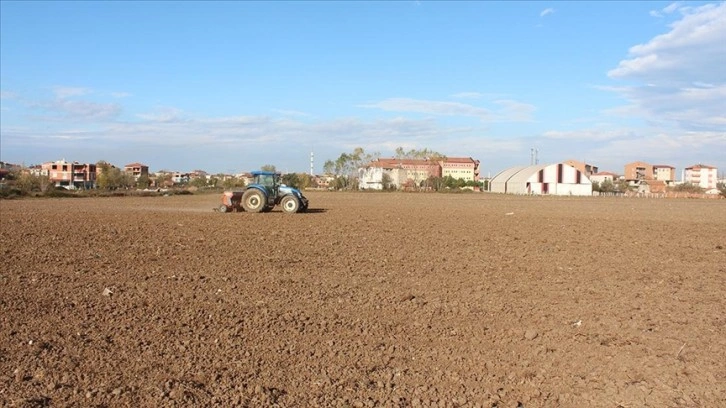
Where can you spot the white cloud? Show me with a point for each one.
(672, 7)
(692, 50)
(289, 112)
(514, 111)
(589, 135)
(430, 107)
(467, 95)
(546, 12)
(8, 95)
(163, 115)
(80, 110)
(680, 76)
(506, 110)
(68, 91)
(667, 10)
(664, 148)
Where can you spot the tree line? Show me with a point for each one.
(345, 170)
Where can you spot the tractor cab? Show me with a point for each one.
(267, 179)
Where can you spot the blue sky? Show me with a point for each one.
(230, 86)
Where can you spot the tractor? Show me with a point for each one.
(263, 195)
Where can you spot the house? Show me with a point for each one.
(415, 172)
(701, 175)
(380, 175)
(137, 170)
(70, 175)
(602, 176)
(638, 171)
(464, 168)
(553, 179)
(180, 178)
(587, 169)
(665, 173)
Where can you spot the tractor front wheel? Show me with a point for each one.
(253, 200)
(290, 204)
(222, 208)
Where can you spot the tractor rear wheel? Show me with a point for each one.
(253, 200)
(290, 204)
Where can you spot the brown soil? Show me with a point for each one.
(392, 300)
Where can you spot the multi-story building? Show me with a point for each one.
(70, 175)
(181, 178)
(638, 171)
(415, 172)
(137, 170)
(377, 174)
(701, 175)
(664, 173)
(464, 168)
(585, 168)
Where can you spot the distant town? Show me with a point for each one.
(570, 177)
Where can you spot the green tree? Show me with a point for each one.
(387, 182)
(108, 177)
(607, 186)
(164, 180)
(345, 168)
(688, 188)
(595, 186)
(268, 167)
(143, 181)
(291, 179)
(622, 186)
(329, 167)
(27, 183)
(721, 188)
(419, 154)
(199, 182)
(230, 183)
(305, 181)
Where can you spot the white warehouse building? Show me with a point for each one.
(555, 179)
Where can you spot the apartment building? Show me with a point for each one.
(371, 177)
(586, 168)
(137, 170)
(664, 173)
(701, 175)
(464, 168)
(638, 171)
(415, 172)
(70, 175)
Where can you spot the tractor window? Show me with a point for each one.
(267, 180)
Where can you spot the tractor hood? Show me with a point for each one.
(289, 190)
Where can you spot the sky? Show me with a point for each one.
(228, 87)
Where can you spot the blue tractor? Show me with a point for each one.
(263, 195)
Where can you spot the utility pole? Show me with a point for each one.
(312, 164)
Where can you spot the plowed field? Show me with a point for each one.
(390, 300)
